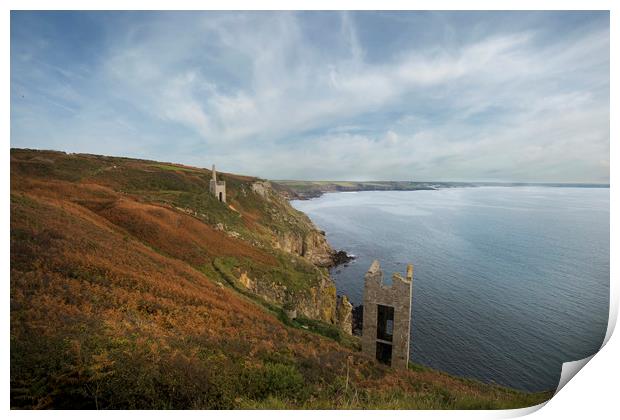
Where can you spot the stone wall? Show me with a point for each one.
(398, 296)
(217, 187)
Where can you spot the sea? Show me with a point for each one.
(509, 282)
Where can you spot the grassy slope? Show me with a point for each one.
(115, 303)
(121, 183)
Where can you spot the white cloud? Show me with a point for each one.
(258, 90)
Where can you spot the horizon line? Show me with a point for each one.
(602, 184)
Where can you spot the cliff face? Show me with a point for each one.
(292, 232)
(317, 250)
(311, 245)
(317, 302)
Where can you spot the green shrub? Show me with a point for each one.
(274, 379)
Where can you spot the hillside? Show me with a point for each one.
(133, 287)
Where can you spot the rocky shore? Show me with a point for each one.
(341, 257)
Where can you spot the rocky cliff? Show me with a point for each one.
(311, 245)
(316, 302)
(292, 232)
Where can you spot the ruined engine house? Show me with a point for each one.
(217, 188)
(387, 317)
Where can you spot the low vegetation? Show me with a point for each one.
(125, 294)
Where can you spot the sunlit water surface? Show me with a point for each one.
(510, 282)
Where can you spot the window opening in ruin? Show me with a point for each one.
(220, 196)
(384, 353)
(385, 322)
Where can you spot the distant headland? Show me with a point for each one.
(304, 190)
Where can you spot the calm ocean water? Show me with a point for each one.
(509, 282)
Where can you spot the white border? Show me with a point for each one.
(592, 395)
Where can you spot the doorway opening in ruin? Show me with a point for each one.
(220, 196)
(385, 333)
(384, 353)
(385, 322)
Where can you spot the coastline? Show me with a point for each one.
(202, 283)
(307, 190)
(332, 211)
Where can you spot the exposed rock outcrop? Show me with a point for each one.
(293, 232)
(317, 250)
(344, 315)
(262, 188)
(246, 281)
(312, 245)
(341, 257)
(318, 302)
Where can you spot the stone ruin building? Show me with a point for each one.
(387, 317)
(217, 188)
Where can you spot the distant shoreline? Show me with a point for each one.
(305, 190)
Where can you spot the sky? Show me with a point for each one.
(427, 96)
